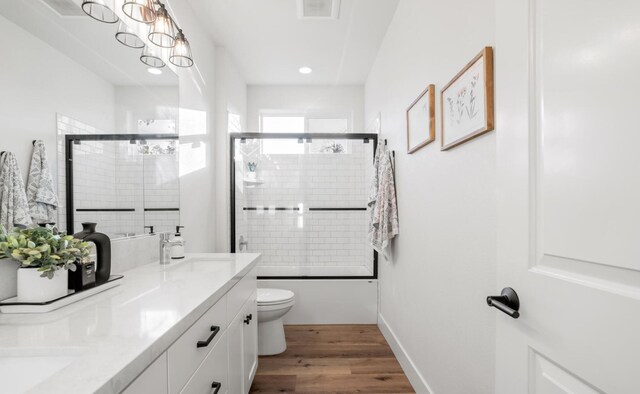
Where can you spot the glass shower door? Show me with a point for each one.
(300, 201)
(269, 203)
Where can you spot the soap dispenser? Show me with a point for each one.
(103, 249)
(177, 250)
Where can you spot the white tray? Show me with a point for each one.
(12, 305)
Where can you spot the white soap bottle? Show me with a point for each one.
(177, 250)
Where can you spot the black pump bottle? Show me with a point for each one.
(103, 249)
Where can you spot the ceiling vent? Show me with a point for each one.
(64, 8)
(318, 9)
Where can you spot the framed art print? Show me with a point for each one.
(467, 102)
(421, 122)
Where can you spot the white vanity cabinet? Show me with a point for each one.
(243, 347)
(218, 354)
(152, 380)
(250, 342)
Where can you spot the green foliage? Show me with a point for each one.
(41, 248)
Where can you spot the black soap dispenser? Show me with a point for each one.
(103, 249)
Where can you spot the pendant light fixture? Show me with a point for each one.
(151, 59)
(126, 36)
(99, 10)
(139, 10)
(163, 30)
(181, 53)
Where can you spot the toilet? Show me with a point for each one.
(273, 304)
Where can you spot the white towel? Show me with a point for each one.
(14, 208)
(383, 219)
(42, 197)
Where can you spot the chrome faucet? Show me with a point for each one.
(243, 244)
(165, 247)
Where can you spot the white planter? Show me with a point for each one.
(34, 288)
(8, 280)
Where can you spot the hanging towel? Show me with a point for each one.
(383, 219)
(42, 197)
(14, 208)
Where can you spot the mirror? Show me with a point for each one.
(111, 121)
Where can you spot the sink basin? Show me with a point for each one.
(17, 370)
(198, 264)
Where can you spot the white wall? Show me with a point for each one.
(135, 103)
(432, 295)
(302, 99)
(231, 96)
(37, 82)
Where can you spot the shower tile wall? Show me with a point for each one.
(108, 174)
(66, 125)
(129, 189)
(161, 190)
(312, 180)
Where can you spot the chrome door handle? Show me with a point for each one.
(507, 302)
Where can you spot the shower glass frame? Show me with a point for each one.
(233, 137)
(70, 140)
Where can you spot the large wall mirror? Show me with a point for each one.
(113, 151)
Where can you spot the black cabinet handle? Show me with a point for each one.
(507, 302)
(216, 386)
(214, 331)
(247, 320)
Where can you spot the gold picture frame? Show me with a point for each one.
(421, 114)
(466, 102)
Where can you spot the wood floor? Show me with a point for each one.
(332, 359)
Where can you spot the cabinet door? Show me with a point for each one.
(250, 341)
(152, 380)
(234, 336)
(211, 377)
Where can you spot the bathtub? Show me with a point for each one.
(322, 300)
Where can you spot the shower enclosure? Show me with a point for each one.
(124, 182)
(301, 201)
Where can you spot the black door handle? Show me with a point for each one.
(214, 331)
(507, 302)
(216, 386)
(247, 320)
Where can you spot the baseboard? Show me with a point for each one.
(415, 378)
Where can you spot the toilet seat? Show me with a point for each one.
(267, 297)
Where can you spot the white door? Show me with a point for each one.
(568, 133)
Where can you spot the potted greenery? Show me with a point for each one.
(44, 258)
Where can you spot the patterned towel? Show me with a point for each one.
(14, 208)
(42, 197)
(383, 219)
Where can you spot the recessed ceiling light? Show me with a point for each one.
(305, 70)
(154, 71)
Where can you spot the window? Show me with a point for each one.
(328, 125)
(303, 123)
(282, 124)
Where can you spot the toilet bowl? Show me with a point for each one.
(273, 304)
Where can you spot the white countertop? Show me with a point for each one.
(102, 343)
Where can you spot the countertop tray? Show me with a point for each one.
(12, 305)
